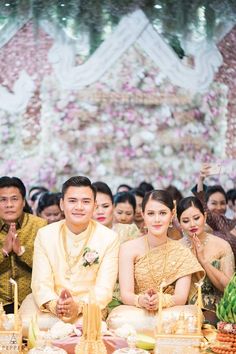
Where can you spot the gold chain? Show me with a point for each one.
(70, 260)
(189, 241)
(150, 268)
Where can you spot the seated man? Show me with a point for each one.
(17, 233)
(73, 257)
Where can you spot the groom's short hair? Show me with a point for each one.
(78, 181)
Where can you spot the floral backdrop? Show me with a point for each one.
(131, 125)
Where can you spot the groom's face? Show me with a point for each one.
(78, 205)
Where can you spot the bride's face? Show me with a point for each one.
(157, 217)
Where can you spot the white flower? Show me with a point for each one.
(147, 136)
(168, 151)
(228, 327)
(125, 331)
(90, 257)
(136, 140)
(61, 329)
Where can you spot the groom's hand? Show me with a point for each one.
(67, 308)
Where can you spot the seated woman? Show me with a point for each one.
(175, 232)
(49, 207)
(104, 214)
(148, 261)
(138, 216)
(124, 208)
(214, 254)
(214, 201)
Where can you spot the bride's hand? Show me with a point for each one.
(149, 300)
(144, 301)
(153, 302)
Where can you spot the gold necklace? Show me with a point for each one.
(150, 268)
(73, 260)
(204, 242)
(189, 241)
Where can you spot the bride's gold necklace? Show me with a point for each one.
(73, 260)
(150, 267)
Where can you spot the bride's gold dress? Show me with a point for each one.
(167, 263)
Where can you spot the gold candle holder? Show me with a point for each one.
(160, 305)
(199, 306)
(91, 341)
(181, 340)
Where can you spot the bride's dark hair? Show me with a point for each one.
(160, 196)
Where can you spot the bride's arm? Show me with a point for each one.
(126, 277)
(182, 288)
(126, 274)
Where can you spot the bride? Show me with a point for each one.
(149, 261)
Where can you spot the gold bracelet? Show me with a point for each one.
(80, 307)
(136, 300)
(73, 318)
(52, 307)
(168, 300)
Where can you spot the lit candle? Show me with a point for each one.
(13, 282)
(199, 307)
(160, 304)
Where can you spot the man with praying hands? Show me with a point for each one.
(74, 256)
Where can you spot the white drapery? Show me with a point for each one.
(132, 29)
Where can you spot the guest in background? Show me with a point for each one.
(145, 187)
(214, 201)
(175, 193)
(104, 213)
(49, 207)
(123, 188)
(213, 253)
(174, 231)
(17, 233)
(33, 196)
(138, 216)
(104, 204)
(125, 206)
(230, 211)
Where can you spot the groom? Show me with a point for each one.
(75, 256)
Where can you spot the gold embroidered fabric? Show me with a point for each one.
(222, 260)
(179, 262)
(19, 267)
(126, 232)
